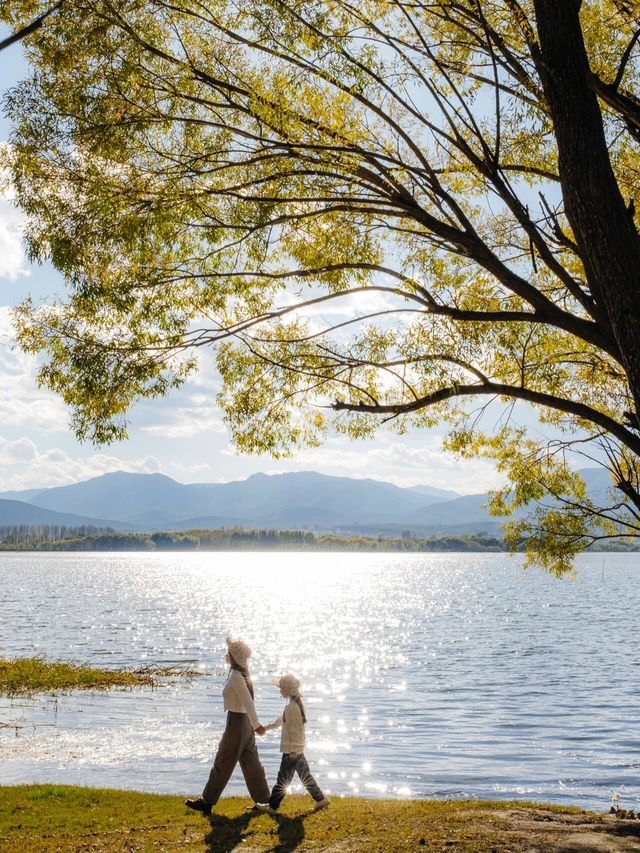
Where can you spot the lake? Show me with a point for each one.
(439, 675)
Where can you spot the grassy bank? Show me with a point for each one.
(24, 676)
(59, 818)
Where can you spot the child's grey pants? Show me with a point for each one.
(238, 744)
(289, 766)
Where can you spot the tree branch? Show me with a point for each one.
(23, 32)
(497, 389)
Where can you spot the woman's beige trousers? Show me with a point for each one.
(238, 744)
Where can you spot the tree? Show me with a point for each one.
(457, 178)
(31, 27)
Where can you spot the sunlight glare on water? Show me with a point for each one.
(424, 675)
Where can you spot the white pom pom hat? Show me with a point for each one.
(239, 651)
(289, 684)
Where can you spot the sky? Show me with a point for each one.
(183, 435)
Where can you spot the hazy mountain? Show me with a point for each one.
(206, 522)
(294, 500)
(286, 519)
(120, 495)
(19, 512)
(598, 482)
(262, 496)
(153, 500)
(465, 510)
(467, 514)
(433, 492)
(22, 495)
(461, 516)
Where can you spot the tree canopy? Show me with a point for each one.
(376, 213)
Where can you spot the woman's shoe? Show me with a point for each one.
(266, 808)
(199, 805)
(321, 804)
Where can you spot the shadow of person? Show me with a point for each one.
(626, 830)
(290, 833)
(226, 832)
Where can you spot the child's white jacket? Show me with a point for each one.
(292, 738)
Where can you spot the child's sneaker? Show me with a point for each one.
(321, 804)
(266, 808)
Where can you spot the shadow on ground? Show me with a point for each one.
(228, 832)
(290, 833)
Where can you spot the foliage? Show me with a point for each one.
(376, 213)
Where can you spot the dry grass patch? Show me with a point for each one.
(25, 676)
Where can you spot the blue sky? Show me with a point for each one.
(182, 436)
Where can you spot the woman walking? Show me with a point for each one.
(238, 742)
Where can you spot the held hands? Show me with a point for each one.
(293, 755)
(261, 730)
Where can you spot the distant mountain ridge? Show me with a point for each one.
(297, 500)
(13, 513)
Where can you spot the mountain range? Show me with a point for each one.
(307, 500)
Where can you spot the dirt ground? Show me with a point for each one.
(549, 832)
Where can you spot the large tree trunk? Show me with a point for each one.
(603, 226)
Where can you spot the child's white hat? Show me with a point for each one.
(289, 684)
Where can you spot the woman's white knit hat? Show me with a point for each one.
(239, 651)
(289, 684)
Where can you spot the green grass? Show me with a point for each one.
(48, 818)
(37, 675)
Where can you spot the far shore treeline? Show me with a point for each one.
(47, 537)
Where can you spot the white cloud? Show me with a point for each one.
(12, 256)
(22, 403)
(402, 463)
(24, 466)
(188, 423)
(189, 412)
(410, 460)
(56, 455)
(199, 472)
(22, 450)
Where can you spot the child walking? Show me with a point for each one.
(292, 720)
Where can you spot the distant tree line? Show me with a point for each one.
(40, 536)
(47, 537)
(85, 538)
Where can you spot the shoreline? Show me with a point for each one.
(252, 549)
(243, 539)
(59, 817)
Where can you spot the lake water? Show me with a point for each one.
(444, 676)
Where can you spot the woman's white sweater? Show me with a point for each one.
(292, 737)
(237, 698)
